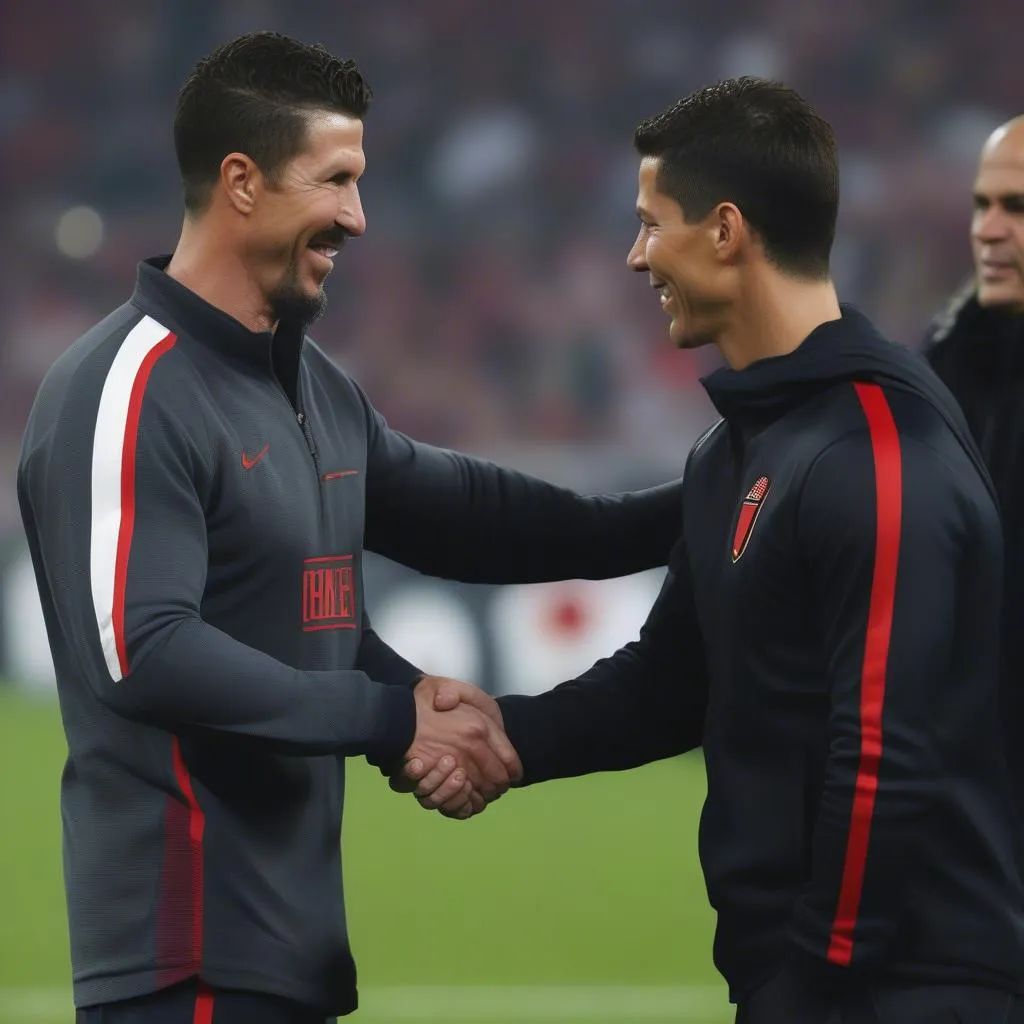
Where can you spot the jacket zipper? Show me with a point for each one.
(303, 421)
(307, 433)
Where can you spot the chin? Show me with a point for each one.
(686, 339)
(305, 305)
(1011, 300)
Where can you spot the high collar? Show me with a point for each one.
(180, 308)
(987, 341)
(847, 348)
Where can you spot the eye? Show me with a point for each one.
(1014, 204)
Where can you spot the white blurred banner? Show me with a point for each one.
(514, 639)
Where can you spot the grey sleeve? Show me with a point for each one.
(451, 515)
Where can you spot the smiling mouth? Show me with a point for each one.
(325, 250)
(663, 293)
(993, 270)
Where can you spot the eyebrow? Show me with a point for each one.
(999, 197)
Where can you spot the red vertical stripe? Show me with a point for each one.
(180, 912)
(885, 447)
(203, 1013)
(124, 536)
(196, 827)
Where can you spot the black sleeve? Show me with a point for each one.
(383, 663)
(457, 517)
(880, 529)
(646, 702)
(155, 659)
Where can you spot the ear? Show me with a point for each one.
(241, 180)
(730, 232)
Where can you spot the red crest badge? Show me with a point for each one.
(748, 516)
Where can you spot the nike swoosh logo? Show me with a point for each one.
(339, 474)
(248, 463)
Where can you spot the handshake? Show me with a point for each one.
(460, 759)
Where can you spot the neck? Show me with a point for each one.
(209, 266)
(775, 316)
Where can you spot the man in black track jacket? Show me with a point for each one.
(826, 631)
(198, 482)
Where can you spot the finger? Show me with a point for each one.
(453, 789)
(430, 780)
(459, 806)
(486, 771)
(405, 780)
(462, 814)
(452, 692)
(503, 749)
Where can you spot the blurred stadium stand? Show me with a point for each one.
(489, 307)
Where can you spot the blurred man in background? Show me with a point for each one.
(197, 484)
(825, 632)
(977, 347)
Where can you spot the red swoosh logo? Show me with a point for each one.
(248, 463)
(339, 474)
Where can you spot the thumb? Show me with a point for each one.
(447, 697)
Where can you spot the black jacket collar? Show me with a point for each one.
(847, 349)
(180, 309)
(969, 340)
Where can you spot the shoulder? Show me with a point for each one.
(126, 365)
(903, 459)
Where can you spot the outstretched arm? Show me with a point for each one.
(451, 515)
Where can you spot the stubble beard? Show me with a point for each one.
(289, 302)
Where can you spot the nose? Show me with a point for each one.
(350, 212)
(637, 257)
(990, 224)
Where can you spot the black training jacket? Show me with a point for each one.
(197, 499)
(827, 634)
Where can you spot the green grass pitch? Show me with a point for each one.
(574, 901)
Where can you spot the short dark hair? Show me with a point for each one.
(253, 95)
(760, 145)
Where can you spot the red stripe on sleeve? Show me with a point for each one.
(127, 528)
(885, 447)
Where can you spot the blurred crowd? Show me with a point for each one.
(488, 306)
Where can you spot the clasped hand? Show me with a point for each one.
(460, 759)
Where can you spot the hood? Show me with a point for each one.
(848, 349)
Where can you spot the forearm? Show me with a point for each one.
(618, 715)
(384, 664)
(191, 675)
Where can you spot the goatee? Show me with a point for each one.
(291, 305)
